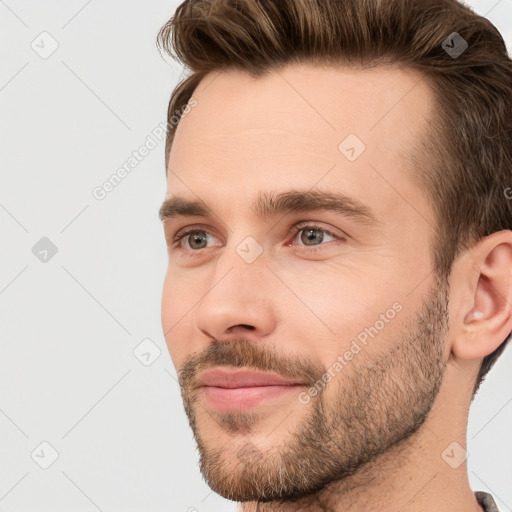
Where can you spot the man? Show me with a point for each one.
(339, 231)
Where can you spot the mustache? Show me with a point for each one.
(252, 355)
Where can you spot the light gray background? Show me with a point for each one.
(68, 375)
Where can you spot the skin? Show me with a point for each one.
(374, 437)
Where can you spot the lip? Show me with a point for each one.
(241, 390)
(241, 378)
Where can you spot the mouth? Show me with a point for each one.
(239, 390)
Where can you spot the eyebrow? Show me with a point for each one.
(269, 204)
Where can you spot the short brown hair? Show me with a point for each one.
(464, 164)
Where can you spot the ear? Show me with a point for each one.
(481, 283)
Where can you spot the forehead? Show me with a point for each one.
(298, 126)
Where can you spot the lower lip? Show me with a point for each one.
(236, 399)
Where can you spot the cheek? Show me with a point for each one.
(333, 298)
(337, 310)
(177, 312)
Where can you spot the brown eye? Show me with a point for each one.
(196, 238)
(312, 235)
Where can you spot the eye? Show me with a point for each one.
(196, 238)
(312, 235)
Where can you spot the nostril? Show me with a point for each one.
(251, 327)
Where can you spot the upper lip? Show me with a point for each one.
(222, 378)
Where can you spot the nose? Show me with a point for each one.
(238, 301)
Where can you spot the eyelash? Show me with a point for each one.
(295, 230)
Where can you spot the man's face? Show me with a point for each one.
(345, 309)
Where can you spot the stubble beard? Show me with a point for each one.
(378, 404)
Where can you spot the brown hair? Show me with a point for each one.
(464, 164)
